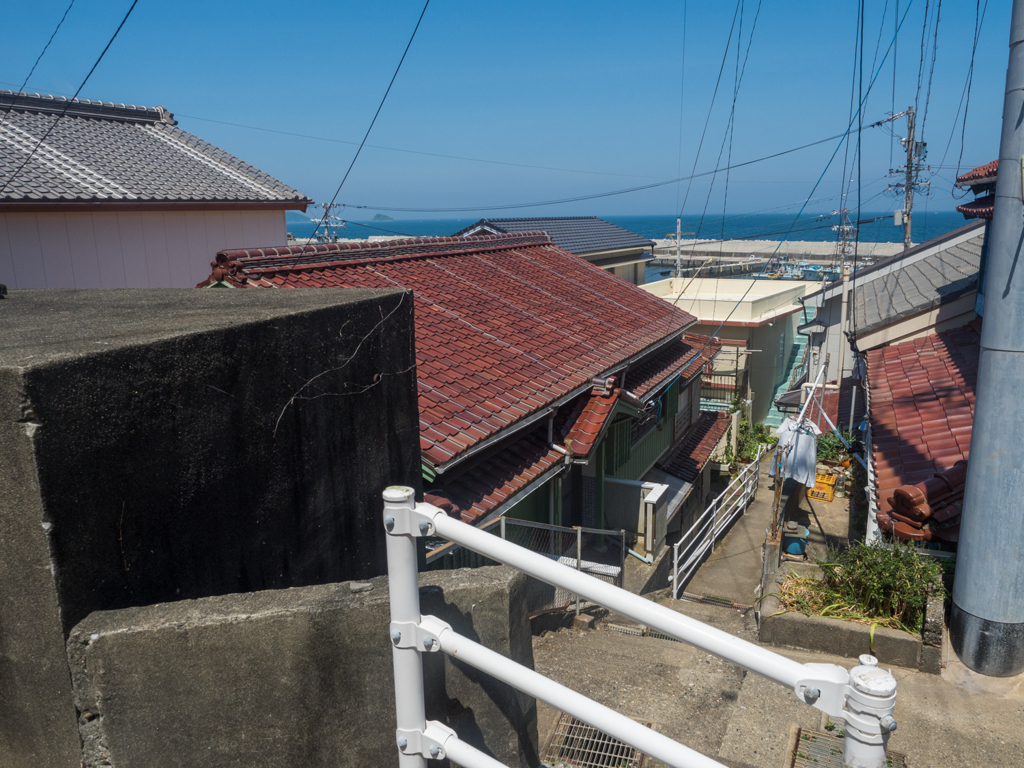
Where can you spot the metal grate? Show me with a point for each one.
(576, 744)
(638, 630)
(824, 750)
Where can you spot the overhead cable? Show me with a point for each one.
(714, 95)
(835, 152)
(70, 101)
(380, 106)
(614, 192)
(39, 58)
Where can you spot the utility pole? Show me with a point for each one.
(679, 245)
(916, 151)
(328, 236)
(908, 203)
(987, 622)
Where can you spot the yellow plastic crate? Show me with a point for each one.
(824, 488)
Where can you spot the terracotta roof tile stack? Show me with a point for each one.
(472, 495)
(922, 413)
(685, 357)
(587, 423)
(929, 510)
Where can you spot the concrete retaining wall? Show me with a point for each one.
(295, 677)
(847, 638)
(150, 451)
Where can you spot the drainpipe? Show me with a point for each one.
(987, 623)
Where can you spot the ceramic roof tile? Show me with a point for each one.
(684, 357)
(576, 234)
(922, 406)
(980, 208)
(585, 428)
(986, 171)
(112, 152)
(692, 452)
(475, 492)
(535, 322)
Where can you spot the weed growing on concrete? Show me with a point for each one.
(887, 587)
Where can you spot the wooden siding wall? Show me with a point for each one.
(126, 249)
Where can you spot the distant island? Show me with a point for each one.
(381, 217)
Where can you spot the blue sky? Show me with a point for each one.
(589, 87)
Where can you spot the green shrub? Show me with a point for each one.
(871, 585)
(830, 447)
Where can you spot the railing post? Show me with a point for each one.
(579, 560)
(675, 570)
(404, 590)
(502, 518)
(622, 559)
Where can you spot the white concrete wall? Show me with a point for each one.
(126, 249)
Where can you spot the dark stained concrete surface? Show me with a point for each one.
(171, 444)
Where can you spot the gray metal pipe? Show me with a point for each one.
(987, 622)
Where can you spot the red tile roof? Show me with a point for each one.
(684, 357)
(694, 450)
(979, 208)
(588, 421)
(472, 494)
(986, 171)
(922, 407)
(505, 324)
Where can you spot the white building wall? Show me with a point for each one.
(126, 249)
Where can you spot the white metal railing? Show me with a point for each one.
(864, 696)
(689, 551)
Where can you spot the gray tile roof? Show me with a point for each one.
(114, 152)
(942, 276)
(576, 234)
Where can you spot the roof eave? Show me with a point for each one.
(542, 412)
(45, 206)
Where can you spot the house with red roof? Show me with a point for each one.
(545, 383)
(982, 182)
(921, 399)
(920, 393)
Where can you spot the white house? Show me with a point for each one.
(100, 195)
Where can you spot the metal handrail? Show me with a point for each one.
(736, 496)
(863, 697)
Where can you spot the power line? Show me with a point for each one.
(682, 85)
(979, 20)
(72, 99)
(614, 192)
(816, 184)
(375, 115)
(721, 69)
(895, 58)
(39, 58)
(931, 72)
(413, 151)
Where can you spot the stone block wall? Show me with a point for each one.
(295, 677)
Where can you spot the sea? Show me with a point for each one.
(874, 227)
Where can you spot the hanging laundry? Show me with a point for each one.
(803, 454)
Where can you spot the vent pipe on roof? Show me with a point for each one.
(987, 623)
